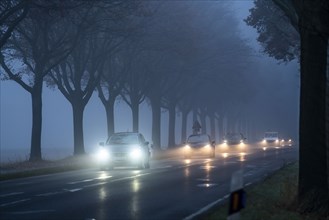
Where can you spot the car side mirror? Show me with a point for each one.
(101, 144)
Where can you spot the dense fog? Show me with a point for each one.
(200, 52)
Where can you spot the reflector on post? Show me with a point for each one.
(237, 196)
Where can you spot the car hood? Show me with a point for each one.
(121, 147)
(198, 144)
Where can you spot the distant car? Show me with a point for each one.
(125, 149)
(199, 144)
(286, 142)
(271, 139)
(234, 139)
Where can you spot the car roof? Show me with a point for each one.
(126, 133)
(198, 135)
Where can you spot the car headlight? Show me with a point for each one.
(187, 147)
(136, 153)
(276, 141)
(103, 155)
(207, 146)
(241, 141)
(225, 141)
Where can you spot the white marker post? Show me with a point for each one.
(237, 196)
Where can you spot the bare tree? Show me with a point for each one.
(39, 43)
(77, 78)
(310, 19)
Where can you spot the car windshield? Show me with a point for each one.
(271, 135)
(123, 139)
(198, 138)
(233, 136)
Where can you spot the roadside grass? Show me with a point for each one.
(271, 199)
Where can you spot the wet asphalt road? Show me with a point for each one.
(172, 189)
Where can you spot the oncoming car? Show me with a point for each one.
(124, 149)
(234, 139)
(271, 139)
(199, 144)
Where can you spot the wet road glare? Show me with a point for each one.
(173, 188)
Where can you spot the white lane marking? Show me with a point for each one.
(163, 167)
(11, 194)
(247, 184)
(228, 162)
(15, 202)
(31, 212)
(207, 207)
(248, 174)
(207, 185)
(73, 190)
(203, 179)
(129, 177)
(49, 194)
(24, 183)
(96, 184)
(81, 181)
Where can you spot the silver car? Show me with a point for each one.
(199, 144)
(125, 149)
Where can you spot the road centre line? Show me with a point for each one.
(31, 212)
(95, 184)
(72, 190)
(81, 181)
(49, 194)
(15, 202)
(11, 194)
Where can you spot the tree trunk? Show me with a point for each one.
(220, 131)
(184, 125)
(135, 114)
(327, 112)
(313, 181)
(109, 108)
(78, 110)
(156, 122)
(36, 95)
(203, 122)
(172, 121)
(212, 127)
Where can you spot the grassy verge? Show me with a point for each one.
(21, 169)
(272, 199)
(26, 168)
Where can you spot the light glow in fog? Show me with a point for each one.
(242, 156)
(103, 176)
(187, 161)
